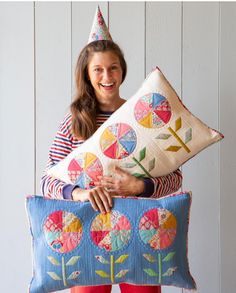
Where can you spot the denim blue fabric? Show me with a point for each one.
(135, 257)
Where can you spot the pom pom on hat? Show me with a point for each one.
(99, 29)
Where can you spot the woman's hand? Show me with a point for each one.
(99, 198)
(124, 184)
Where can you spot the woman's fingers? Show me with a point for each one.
(93, 202)
(101, 200)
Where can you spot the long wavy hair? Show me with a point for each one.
(84, 108)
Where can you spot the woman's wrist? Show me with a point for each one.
(140, 186)
(75, 195)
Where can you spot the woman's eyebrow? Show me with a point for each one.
(97, 65)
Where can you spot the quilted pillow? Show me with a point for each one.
(141, 241)
(151, 135)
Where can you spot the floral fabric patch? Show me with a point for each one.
(84, 169)
(157, 228)
(118, 141)
(152, 110)
(63, 231)
(111, 231)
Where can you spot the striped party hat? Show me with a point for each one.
(99, 29)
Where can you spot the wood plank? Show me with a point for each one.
(53, 74)
(129, 34)
(17, 141)
(227, 148)
(163, 49)
(201, 174)
(82, 20)
(163, 40)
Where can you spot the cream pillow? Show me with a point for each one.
(151, 135)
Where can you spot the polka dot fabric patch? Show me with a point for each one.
(141, 241)
(118, 141)
(84, 169)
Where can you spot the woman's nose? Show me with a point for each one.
(106, 74)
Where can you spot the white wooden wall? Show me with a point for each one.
(194, 43)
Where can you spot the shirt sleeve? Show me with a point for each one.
(60, 148)
(163, 185)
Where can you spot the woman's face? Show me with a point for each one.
(105, 74)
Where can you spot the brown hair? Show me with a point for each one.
(84, 107)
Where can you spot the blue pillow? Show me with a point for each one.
(141, 241)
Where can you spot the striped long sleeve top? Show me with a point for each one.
(65, 142)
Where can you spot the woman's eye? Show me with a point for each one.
(97, 69)
(114, 68)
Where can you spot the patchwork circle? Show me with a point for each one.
(118, 141)
(157, 228)
(84, 169)
(111, 231)
(63, 231)
(152, 111)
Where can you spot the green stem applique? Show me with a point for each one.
(112, 268)
(112, 263)
(159, 267)
(63, 271)
(63, 277)
(159, 264)
(141, 166)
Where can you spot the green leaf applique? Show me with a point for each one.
(54, 276)
(149, 257)
(53, 260)
(74, 275)
(102, 274)
(73, 260)
(150, 272)
(121, 273)
(138, 175)
(169, 256)
(142, 154)
(122, 258)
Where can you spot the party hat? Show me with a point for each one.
(99, 29)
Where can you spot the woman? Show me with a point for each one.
(100, 71)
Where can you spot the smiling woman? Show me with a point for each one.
(100, 70)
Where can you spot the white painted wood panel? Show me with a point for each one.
(163, 49)
(17, 142)
(163, 40)
(82, 19)
(150, 34)
(227, 148)
(201, 174)
(53, 74)
(126, 23)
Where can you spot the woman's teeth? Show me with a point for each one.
(106, 84)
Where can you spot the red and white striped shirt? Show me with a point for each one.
(65, 142)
